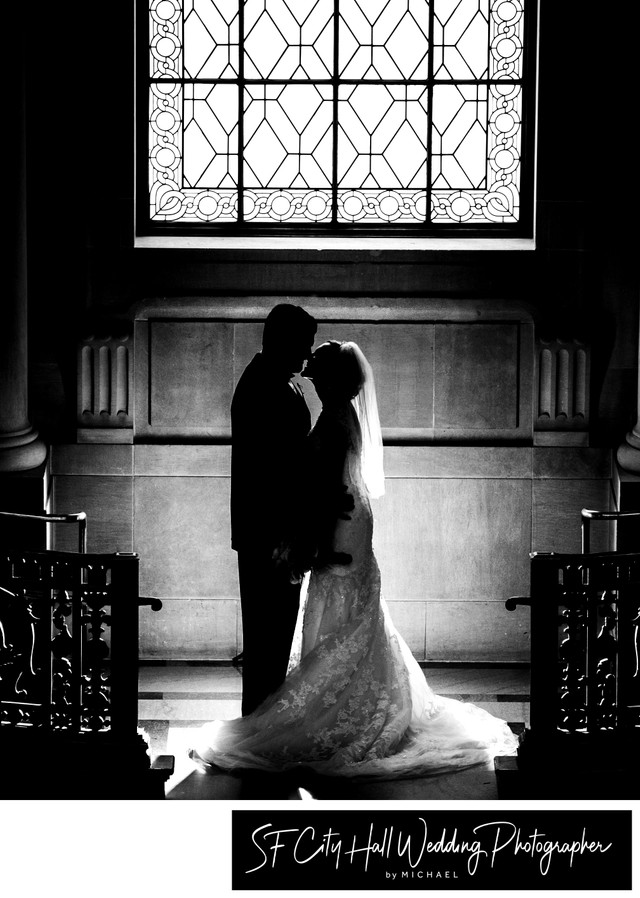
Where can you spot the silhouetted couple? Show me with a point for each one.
(340, 693)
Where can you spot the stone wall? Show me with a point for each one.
(445, 370)
(452, 533)
(469, 495)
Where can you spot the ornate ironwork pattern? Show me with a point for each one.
(55, 634)
(23, 685)
(596, 602)
(606, 648)
(336, 112)
(572, 666)
(62, 661)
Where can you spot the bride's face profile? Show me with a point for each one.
(323, 370)
(335, 372)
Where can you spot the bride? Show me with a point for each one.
(355, 702)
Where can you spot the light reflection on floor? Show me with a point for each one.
(176, 697)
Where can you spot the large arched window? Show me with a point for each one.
(323, 116)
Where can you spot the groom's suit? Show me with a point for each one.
(269, 423)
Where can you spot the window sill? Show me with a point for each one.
(338, 244)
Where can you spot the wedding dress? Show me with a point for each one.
(355, 702)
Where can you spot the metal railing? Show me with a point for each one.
(589, 514)
(79, 518)
(584, 645)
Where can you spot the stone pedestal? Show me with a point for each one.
(629, 453)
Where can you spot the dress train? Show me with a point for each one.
(355, 702)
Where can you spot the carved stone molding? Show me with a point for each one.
(105, 381)
(446, 371)
(562, 380)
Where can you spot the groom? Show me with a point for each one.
(269, 423)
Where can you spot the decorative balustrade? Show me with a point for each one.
(585, 611)
(188, 354)
(68, 675)
(585, 671)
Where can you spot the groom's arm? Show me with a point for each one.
(329, 500)
(339, 504)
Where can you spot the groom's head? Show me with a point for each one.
(287, 338)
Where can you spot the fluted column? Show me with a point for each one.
(629, 451)
(20, 447)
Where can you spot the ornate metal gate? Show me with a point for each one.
(68, 674)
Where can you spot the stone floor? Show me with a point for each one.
(175, 697)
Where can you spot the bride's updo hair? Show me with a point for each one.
(340, 371)
(352, 373)
(341, 367)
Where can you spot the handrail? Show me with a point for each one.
(513, 601)
(589, 514)
(80, 518)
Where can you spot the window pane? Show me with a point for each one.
(166, 38)
(507, 38)
(461, 39)
(381, 150)
(476, 153)
(211, 39)
(288, 146)
(291, 41)
(384, 40)
(400, 112)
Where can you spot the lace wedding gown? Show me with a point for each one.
(355, 702)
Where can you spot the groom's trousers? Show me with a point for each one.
(269, 613)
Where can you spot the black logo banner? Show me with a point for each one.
(414, 849)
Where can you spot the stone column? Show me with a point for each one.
(629, 451)
(20, 447)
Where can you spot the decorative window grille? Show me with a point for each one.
(376, 115)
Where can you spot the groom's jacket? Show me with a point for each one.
(269, 423)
